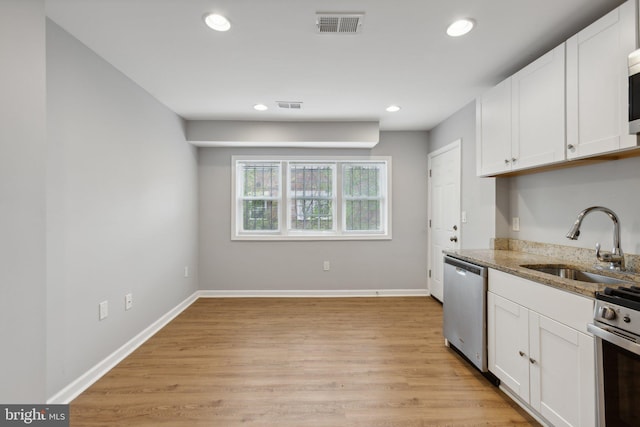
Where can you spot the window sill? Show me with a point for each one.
(308, 238)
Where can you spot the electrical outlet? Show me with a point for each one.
(464, 217)
(515, 223)
(103, 310)
(326, 266)
(186, 271)
(128, 301)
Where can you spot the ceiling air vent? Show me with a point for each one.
(339, 23)
(292, 105)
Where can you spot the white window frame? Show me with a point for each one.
(384, 207)
(284, 231)
(240, 198)
(333, 198)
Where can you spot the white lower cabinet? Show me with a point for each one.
(508, 338)
(548, 364)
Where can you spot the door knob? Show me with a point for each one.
(453, 239)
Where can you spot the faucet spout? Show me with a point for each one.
(615, 257)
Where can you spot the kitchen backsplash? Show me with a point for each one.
(569, 254)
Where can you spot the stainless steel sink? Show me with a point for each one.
(575, 274)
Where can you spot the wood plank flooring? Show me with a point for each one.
(298, 362)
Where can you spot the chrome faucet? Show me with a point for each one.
(615, 257)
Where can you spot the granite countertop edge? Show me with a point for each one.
(510, 261)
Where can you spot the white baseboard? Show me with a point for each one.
(313, 294)
(73, 390)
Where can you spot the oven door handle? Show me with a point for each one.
(614, 339)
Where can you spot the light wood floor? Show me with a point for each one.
(298, 362)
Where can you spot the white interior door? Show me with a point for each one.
(444, 210)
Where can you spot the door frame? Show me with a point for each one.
(455, 145)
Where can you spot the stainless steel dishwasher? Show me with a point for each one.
(465, 310)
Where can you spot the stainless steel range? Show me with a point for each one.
(616, 327)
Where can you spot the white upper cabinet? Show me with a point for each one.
(493, 130)
(520, 123)
(597, 84)
(571, 103)
(537, 112)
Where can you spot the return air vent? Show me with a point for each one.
(339, 23)
(292, 105)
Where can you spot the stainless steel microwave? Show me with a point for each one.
(634, 92)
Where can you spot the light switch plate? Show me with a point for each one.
(128, 301)
(103, 310)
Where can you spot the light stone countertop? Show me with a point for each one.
(510, 261)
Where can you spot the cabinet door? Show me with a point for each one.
(597, 84)
(493, 130)
(508, 342)
(538, 111)
(562, 372)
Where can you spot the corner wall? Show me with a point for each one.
(400, 263)
(121, 208)
(478, 195)
(22, 202)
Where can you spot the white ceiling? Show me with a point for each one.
(273, 53)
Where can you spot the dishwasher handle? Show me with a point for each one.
(461, 271)
(465, 266)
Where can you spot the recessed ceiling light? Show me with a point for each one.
(217, 22)
(460, 27)
(260, 107)
(393, 108)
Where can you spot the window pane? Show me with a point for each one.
(362, 215)
(260, 214)
(311, 196)
(261, 179)
(362, 192)
(311, 180)
(361, 180)
(311, 214)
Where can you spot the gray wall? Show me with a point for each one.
(22, 201)
(547, 204)
(122, 208)
(477, 194)
(355, 265)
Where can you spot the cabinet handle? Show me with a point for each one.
(533, 362)
(571, 146)
(521, 353)
(513, 159)
(506, 161)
